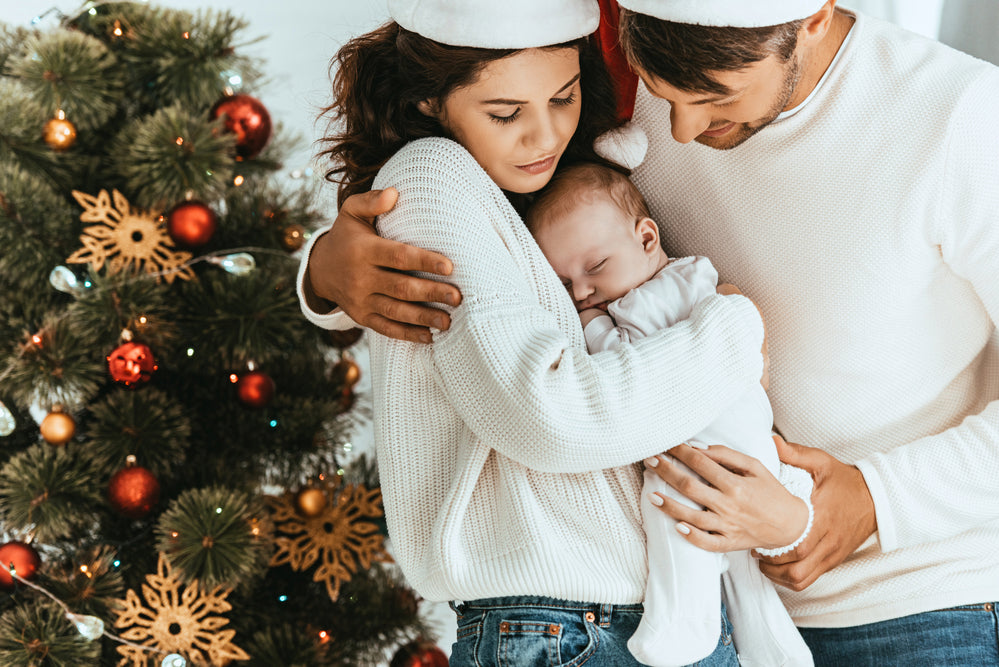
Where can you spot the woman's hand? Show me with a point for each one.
(351, 266)
(744, 505)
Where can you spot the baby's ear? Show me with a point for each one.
(428, 108)
(648, 231)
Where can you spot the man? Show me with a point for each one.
(845, 174)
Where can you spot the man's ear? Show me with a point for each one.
(815, 27)
(428, 108)
(648, 231)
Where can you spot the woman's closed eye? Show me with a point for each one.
(564, 101)
(503, 120)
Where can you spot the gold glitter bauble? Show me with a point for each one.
(293, 237)
(310, 502)
(57, 428)
(59, 134)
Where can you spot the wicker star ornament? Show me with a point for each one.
(126, 239)
(341, 537)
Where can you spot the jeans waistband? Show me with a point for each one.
(603, 611)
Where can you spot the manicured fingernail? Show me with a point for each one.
(442, 268)
(426, 338)
(439, 322)
(652, 462)
(683, 528)
(451, 299)
(655, 500)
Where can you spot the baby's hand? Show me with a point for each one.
(586, 316)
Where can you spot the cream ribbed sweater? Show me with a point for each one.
(506, 453)
(866, 228)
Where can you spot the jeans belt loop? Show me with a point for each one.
(606, 612)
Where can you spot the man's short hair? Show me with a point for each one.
(571, 183)
(685, 55)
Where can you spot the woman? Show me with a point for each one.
(505, 451)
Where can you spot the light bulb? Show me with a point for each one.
(238, 264)
(7, 423)
(90, 627)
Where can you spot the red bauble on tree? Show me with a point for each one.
(255, 388)
(419, 654)
(131, 363)
(22, 558)
(133, 491)
(246, 118)
(191, 223)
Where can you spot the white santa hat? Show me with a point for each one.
(498, 24)
(726, 13)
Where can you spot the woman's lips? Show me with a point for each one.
(539, 167)
(719, 132)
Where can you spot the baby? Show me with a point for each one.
(594, 228)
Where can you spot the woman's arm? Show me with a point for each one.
(513, 363)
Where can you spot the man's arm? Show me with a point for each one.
(350, 266)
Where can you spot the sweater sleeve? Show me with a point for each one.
(509, 365)
(942, 485)
(335, 319)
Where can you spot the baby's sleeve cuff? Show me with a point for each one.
(799, 483)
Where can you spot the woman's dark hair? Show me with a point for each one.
(382, 76)
(684, 55)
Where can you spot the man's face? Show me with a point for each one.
(754, 97)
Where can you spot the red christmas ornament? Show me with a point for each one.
(133, 491)
(22, 558)
(191, 223)
(248, 119)
(131, 363)
(255, 388)
(419, 654)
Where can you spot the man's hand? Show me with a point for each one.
(844, 518)
(361, 272)
(744, 505)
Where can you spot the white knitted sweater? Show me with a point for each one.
(866, 228)
(506, 452)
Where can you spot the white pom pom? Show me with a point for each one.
(625, 145)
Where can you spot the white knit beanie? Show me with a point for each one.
(498, 24)
(727, 13)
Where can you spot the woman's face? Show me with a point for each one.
(517, 118)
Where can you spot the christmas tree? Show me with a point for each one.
(174, 482)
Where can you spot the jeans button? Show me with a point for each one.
(590, 617)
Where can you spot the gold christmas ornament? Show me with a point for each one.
(59, 133)
(310, 502)
(176, 619)
(293, 237)
(57, 428)
(342, 538)
(127, 239)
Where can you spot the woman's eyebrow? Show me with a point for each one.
(511, 102)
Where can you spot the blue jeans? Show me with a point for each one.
(966, 636)
(547, 632)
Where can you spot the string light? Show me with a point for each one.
(91, 627)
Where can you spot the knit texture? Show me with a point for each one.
(865, 227)
(506, 452)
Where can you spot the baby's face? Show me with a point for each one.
(597, 251)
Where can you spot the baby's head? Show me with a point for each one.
(594, 228)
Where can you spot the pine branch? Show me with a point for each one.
(72, 72)
(39, 633)
(146, 423)
(164, 156)
(51, 490)
(208, 535)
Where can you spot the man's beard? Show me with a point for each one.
(744, 131)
